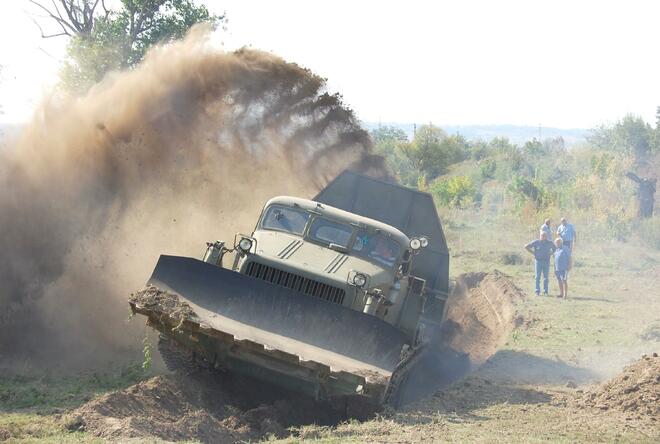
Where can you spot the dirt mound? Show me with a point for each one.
(203, 407)
(482, 313)
(636, 389)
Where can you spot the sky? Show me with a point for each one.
(569, 64)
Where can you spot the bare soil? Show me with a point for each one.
(482, 310)
(635, 390)
(201, 406)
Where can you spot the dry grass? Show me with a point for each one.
(519, 395)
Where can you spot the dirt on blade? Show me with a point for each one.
(482, 313)
(165, 302)
(635, 390)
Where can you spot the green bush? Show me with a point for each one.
(525, 190)
(456, 191)
(487, 169)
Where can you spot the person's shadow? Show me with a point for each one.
(587, 298)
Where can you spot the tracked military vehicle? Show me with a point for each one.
(335, 296)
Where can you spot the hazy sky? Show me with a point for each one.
(555, 63)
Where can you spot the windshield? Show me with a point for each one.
(377, 247)
(285, 219)
(330, 232)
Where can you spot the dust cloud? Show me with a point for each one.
(183, 149)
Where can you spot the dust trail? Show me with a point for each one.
(183, 149)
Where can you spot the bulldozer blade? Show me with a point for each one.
(274, 333)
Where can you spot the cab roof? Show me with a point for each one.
(341, 216)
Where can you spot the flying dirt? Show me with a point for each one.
(152, 160)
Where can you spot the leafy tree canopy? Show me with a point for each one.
(388, 133)
(630, 135)
(429, 152)
(104, 39)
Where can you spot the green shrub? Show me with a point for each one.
(456, 191)
(525, 190)
(487, 169)
(511, 258)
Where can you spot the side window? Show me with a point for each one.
(282, 218)
(376, 247)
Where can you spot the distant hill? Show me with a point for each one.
(516, 134)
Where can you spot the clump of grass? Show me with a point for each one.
(510, 258)
(50, 392)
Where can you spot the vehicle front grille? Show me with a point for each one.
(295, 282)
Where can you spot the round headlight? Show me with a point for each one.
(245, 244)
(359, 280)
(415, 244)
(424, 242)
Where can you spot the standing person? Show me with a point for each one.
(568, 237)
(547, 228)
(567, 234)
(562, 265)
(542, 249)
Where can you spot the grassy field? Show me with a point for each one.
(32, 402)
(611, 318)
(521, 395)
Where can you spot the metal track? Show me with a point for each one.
(392, 394)
(175, 357)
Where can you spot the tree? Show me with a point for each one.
(457, 148)
(502, 145)
(105, 39)
(425, 151)
(533, 148)
(69, 17)
(386, 138)
(387, 142)
(630, 135)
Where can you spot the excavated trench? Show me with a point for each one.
(212, 407)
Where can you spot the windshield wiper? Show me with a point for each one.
(338, 247)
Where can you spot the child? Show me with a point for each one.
(562, 265)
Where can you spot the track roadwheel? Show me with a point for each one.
(175, 357)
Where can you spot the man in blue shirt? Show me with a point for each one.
(567, 234)
(547, 228)
(562, 265)
(542, 249)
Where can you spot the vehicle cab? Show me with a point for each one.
(330, 254)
